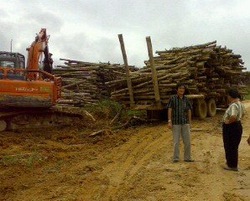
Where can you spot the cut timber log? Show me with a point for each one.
(207, 70)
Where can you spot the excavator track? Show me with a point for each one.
(16, 118)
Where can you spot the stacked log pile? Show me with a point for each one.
(247, 77)
(84, 82)
(206, 69)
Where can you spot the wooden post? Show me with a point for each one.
(129, 83)
(154, 73)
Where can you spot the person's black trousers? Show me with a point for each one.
(232, 134)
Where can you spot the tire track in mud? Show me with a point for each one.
(136, 155)
(210, 157)
(133, 167)
(131, 157)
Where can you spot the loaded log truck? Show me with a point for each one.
(152, 94)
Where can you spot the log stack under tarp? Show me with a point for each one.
(206, 69)
(84, 82)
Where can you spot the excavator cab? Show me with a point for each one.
(12, 61)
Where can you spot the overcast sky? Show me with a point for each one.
(87, 30)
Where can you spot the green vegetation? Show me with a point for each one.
(34, 159)
(108, 109)
(29, 160)
(10, 160)
(247, 96)
(139, 113)
(104, 109)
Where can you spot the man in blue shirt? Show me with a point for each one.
(179, 119)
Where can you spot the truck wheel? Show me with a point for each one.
(211, 107)
(201, 108)
(3, 125)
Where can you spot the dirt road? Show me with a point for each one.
(127, 165)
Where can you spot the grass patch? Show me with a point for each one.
(29, 160)
(138, 113)
(108, 109)
(104, 109)
(10, 160)
(247, 95)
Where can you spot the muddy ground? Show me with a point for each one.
(132, 164)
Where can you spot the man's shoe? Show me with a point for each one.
(189, 160)
(175, 161)
(231, 169)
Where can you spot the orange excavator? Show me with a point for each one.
(27, 94)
